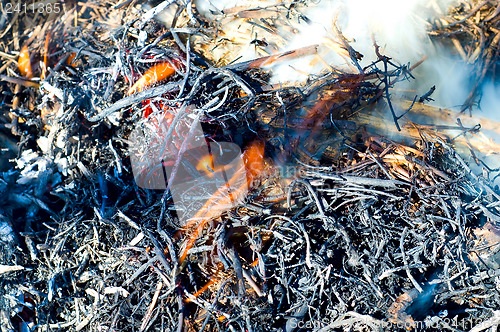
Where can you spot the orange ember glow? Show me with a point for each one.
(24, 62)
(154, 74)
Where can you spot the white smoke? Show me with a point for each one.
(490, 101)
(400, 28)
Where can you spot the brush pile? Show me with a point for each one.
(473, 29)
(340, 228)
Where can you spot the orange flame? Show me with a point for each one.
(201, 290)
(24, 62)
(255, 263)
(253, 158)
(154, 74)
(71, 57)
(212, 208)
(206, 165)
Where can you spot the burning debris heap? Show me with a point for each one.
(472, 28)
(337, 228)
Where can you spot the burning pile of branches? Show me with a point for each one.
(473, 28)
(315, 223)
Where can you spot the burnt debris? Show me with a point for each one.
(320, 223)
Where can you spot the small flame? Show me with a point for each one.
(485, 144)
(253, 158)
(336, 47)
(24, 62)
(213, 208)
(157, 73)
(70, 61)
(201, 291)
(206, 165)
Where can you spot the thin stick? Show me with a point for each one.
(147, 316)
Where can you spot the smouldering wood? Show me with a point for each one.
(340, 220)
